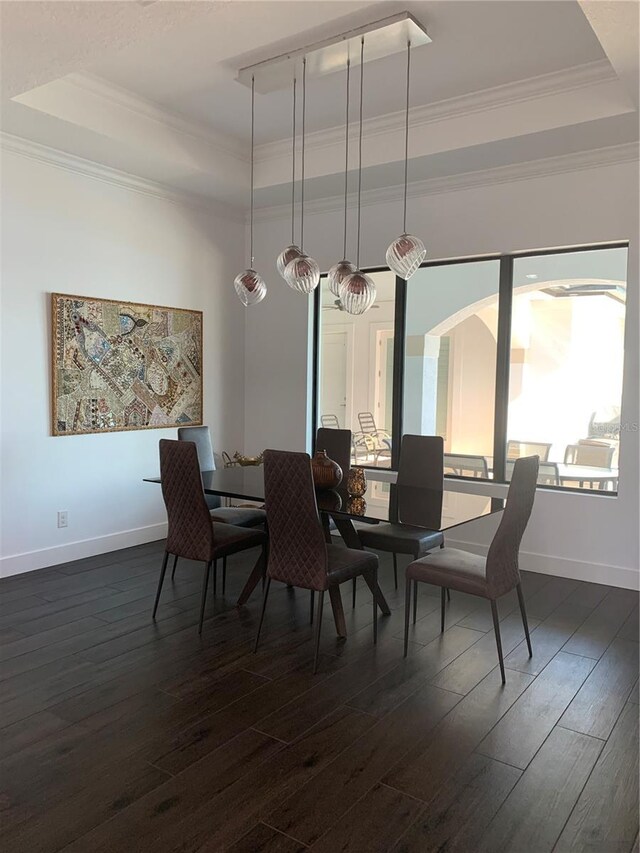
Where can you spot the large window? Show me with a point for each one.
(502, 357)
(450, 351)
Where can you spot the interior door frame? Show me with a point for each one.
(348, 329)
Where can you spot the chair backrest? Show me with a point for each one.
(421, 461)
(297, 550)
(367, 423)
(417, 497)
(190, 532)
(330, 421)
(594, 454)
(466, 465)
(337, 443)
(201, 437)
(502, 559)
(548, 474)
(518, 449)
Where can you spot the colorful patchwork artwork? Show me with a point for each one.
(120, 365)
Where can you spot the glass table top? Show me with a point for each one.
(434, 509)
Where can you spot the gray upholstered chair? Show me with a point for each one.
(421, 466)
(298, 553)
(491, 576)
(193, 533)
(237, 515)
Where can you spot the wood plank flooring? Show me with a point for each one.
(121, 734)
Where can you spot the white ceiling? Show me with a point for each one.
(151, 89)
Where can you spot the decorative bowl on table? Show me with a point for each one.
(240, 459)
(327, 474)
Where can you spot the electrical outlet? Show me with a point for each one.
(63, 518)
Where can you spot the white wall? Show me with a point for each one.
(66, 232)
(585, 536)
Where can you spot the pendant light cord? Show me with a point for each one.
(304, 113)
(406, 143)
(253, 100)
(346, 164)
(360, 152)
(293, 167)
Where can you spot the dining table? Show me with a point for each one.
(384, 502)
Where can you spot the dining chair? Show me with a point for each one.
(466, 465)
(337, 444)
(298, 553)
(489, 577)
(193, 533)
(517, 449)
(548, 474)
(238, 515)
(593, 454)
(421, 466)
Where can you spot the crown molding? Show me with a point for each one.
(582, 160)
(115, 177)
(532, 88)
(127, 100)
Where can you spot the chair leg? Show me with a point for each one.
(523, 611)
(173, 570)
(496, 628)
(203, 602)
(224, 574)
(407, 611)
(374, 578)
(311, 603)
(215, 578)
(160, 582)
(353, 594)
(262, 612)
(415, 601)
(443, 606)
(395, 569)
(318, 629)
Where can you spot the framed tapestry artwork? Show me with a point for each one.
(120, 365)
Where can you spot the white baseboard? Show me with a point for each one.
(566, 568)
(31, 560)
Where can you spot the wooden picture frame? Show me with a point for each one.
(118, 365)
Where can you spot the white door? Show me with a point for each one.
(334, 376)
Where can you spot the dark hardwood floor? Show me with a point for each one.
(120, 734)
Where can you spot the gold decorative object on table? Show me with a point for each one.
(240, 459)
(356, 505)
(327, 474)
(356, 482)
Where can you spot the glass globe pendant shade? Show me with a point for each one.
(302, 274)
(405, 255)
(337, 275)
(250, 287)
(287, 255)
(357, 293)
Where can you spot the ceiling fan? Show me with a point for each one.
(339, 306)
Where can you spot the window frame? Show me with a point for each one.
(503, 357)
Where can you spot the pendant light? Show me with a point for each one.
(407, 252)
(292, 251)
(302, 273)
(343, 268)
(249, 284)
(357, 291)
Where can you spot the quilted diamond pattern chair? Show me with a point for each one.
(298, 553)
(238, 515)
(193, 533)
(491, 576)
(421, 466)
